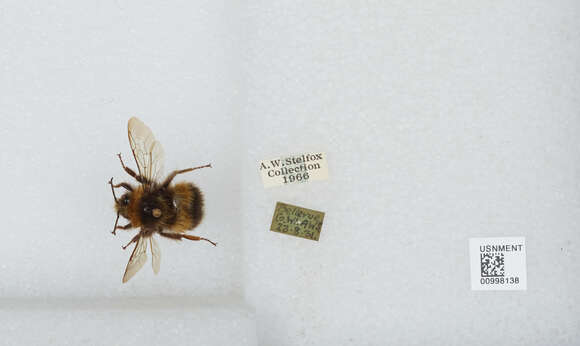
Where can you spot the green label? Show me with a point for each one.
(297, 221)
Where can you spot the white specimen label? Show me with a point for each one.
(293, 169)
(498, 263)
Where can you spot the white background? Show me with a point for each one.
(442, 121)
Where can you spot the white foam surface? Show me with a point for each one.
(441, 122)
(127, 321)
(74, 76)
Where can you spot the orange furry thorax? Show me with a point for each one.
(134, 208)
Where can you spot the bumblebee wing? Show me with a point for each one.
(147, 151)
(156, 255)
(137, 259)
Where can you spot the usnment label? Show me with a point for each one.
(300, 168)
(498, 263)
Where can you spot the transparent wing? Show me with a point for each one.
(148, 152)
(137, 259)
(156, 255)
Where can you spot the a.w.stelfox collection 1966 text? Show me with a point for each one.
(300, 168)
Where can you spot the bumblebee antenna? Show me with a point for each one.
(115, 197)
(115, 227)
(113, 190)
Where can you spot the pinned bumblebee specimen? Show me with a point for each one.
(154, 206)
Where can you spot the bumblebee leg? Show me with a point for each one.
(176, 236)
(130, 171)
(170, 177)
(135, 238)
(195, 238)
(125, 185)
(127, 226)
(180, 236)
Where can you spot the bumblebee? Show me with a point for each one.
(154, 206)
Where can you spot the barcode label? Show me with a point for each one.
(498, 263)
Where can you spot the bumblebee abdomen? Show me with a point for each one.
(189, 204)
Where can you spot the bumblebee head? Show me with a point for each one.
(122, 204)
